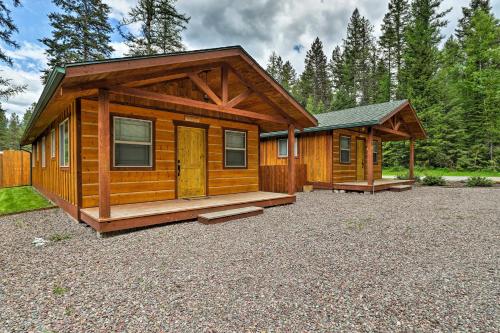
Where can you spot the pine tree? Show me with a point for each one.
(27, 116)
(283, 73)
(467, 12)
(7, 29)
(161, 27)
(314, 81)
(392, 42)
(480, 94)
(14, 132)
(4, 127)
(81, 32)
(418, 75)
(353, 68)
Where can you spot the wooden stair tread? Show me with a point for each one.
(400, 188)
(229, 214)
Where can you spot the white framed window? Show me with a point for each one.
(375, 152)
(132, 142)
(43, 152)
(283, 147)
(33, 154)
(345, 149)
(235, 149)
(53, 143)
(64, 143)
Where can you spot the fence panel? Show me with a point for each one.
(274, 178)
(14, 168)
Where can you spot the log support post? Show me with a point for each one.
(369, 157)
(412, 159)
(104, 152)
(291, 159)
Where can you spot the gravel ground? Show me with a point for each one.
(423, 260)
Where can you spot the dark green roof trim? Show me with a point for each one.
(54, 79)
(367, 115)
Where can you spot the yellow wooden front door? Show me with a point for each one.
(360, 159)
(191, 162)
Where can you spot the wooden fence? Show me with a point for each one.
(274, 178)
(14, 168)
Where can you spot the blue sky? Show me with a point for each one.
(260, 26)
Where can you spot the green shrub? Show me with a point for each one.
(479, 182)
(433, 181)
(406, 176)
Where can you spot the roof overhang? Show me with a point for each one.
(403, 112)
(83, 80)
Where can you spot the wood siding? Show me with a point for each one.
(54, 181)
(14, 168)
(131, 186)
(320, 152)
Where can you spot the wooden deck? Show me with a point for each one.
(378, 185)
(157, 212)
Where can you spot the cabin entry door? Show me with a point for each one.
(191, 164)
(360, 159)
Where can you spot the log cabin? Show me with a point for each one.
(344, 151)
(131, 142)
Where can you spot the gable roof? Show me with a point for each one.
(83, 79)
(360, 116)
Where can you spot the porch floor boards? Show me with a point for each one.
(156, 212)
(378, 184)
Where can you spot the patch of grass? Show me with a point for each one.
(393, 171)
(21, 199)
(478, 182)
(59, 237)
(59, 291)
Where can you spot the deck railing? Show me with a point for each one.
(274, 178)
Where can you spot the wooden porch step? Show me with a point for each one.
(230, 214)
(400, 188)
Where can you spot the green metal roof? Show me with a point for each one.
(366, 115)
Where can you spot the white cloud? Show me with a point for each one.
(120, 48)
(19, 103)
(120, 8)
(33, 53)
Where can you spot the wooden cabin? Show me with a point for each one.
(344, 151)
(131, 142)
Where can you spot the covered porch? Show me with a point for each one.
(377, 185)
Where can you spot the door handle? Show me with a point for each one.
(178, 168)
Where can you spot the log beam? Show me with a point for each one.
(369, 157)
(391, 131)
(240, 98)
(103, 142)
(224, 77)
(412, 159)
(205, 88)
(291, 159)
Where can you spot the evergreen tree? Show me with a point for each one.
(392, 43)
(353, 67)
(283, 73)
(467, 12)
(4, 128)
(27, 116)
(161, 27)
(314, 81)
(14, 132)
(81, 32)
(480, 90)
(7, 29)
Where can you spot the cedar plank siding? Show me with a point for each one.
(320, 152)
(57, 183)
(159, 184)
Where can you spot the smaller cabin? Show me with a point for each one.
(344, 151)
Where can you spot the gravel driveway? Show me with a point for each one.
(425, 260)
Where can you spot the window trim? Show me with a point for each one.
(296, 147)
(152, 165)
(53, 148)
(340, 149)
(238, 130)
(44, 152)
(62, 163)
(33, 152)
